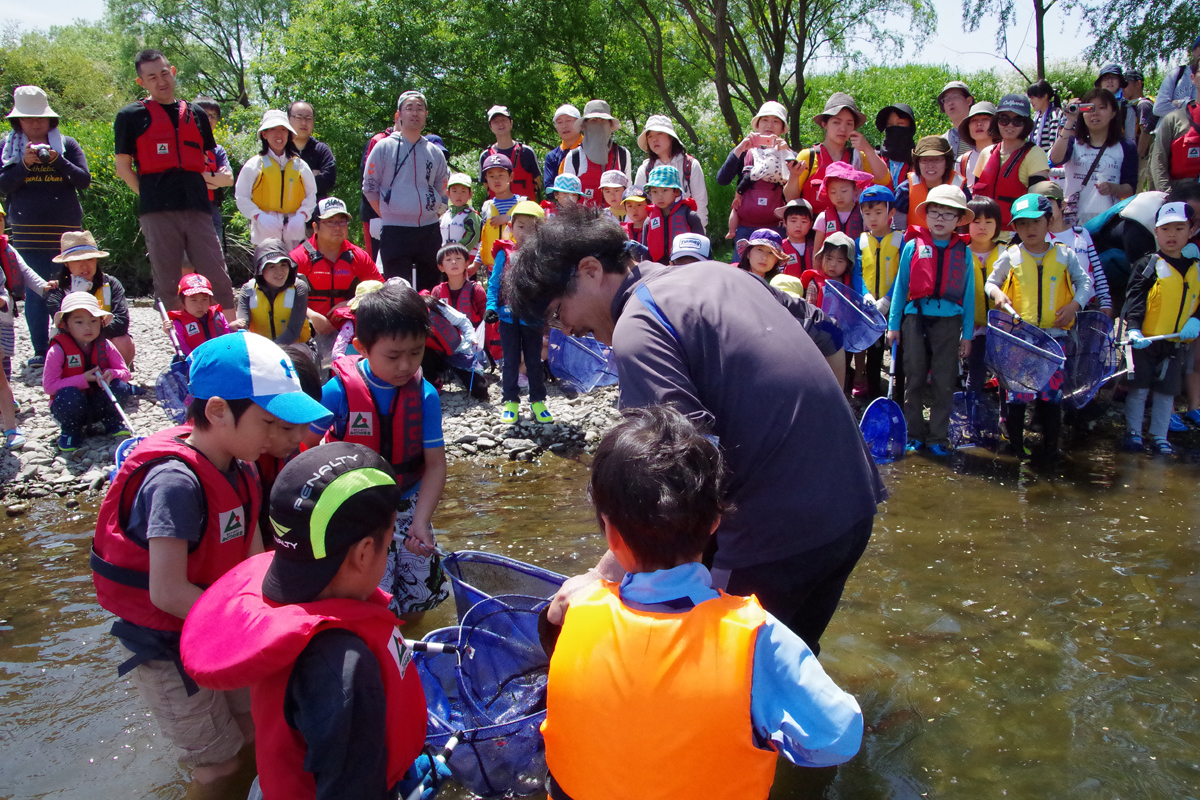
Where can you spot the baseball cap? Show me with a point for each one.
(437, 142)
(1173, 212)
(497, 161)
(331, 207)
(194, 283)
(691, 244)
(1047, 189)
(459, 179)
(325, 500)
(244, 365)
(1133, 75)
(1030, 206)
(876, 194)
(634, 194)
(502, 110)
(1017, 103)
(568, 109)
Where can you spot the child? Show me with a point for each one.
(458, 291)
(987, 243)
(837, 257)
(935, 167)
(797, 217)
(181, 512)
(568, 191)
(343, 345)
(613, 184)
(78, 357)
(1045, 284)
(670, 216)
(928, 316)
(285, 623)
(276, 189)
(839, 194)
(1080, 240)
(274, 304)
(198, 318)
(81, 273)
(879, 261)
(519, 338)
(454, 312)
(631, 655)
(461, 224)
(1163, 298)
(381, 400)
(636, 212)
(761, 254)
(497, 171)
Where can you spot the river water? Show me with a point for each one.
(1007, 633)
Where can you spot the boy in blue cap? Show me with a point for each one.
(670, 214)
(878, 262)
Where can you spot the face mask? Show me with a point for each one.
(899, 141)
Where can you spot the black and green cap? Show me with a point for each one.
(324, 500)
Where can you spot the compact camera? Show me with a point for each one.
(1080, 108)
(44, 152)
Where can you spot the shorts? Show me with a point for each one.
(203, 725)
(416, 583)
(1161, 367)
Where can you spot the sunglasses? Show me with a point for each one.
(1007, 120)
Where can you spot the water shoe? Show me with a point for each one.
(509, 415)
(14, 438)
(913, 446)
(541, 413)
(1177, 425)
(1132, 443)
(68, 443)
(1162, 446)
(939, 450)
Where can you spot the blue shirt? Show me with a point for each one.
(929, 306)
(493, 293)
(793, 703)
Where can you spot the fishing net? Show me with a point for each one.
(884, 430)
(974, 421)
(860, 322)
(1023, 356)
(584, 363)
(476, 576)
(171, 388)
(1092, 358)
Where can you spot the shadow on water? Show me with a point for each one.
(1010, 632)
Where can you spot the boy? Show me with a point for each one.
(273, 303)
(568, 191)
(1163, 298)
(879, 257)
(458, 291)
(630, 656)
(182, 512)
(1078, 239)
(797, 217)
(688, 248)
(613, 184)
(635, 213)
(497, 172)
(670, 216)
(934, 298)
(309, 631)
(381, 400)
(840, 189)
(461, 223)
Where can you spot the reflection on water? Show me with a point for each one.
(1008, 633)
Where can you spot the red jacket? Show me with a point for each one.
(330, 284)
(1185, 151)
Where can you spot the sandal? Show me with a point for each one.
(1163, 447)
(14, 438)
(1132, 443)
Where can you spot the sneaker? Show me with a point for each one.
(36, 361)
(939, 450)
(913, 445)
(541, 413)
(509, 415)
(1177, 425)
(137, 390)
(1161, 446)
(1132, 443)
(68, 443)
(1193, 417)
(14, 438)
(117, 429)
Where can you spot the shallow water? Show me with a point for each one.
(1007, 634)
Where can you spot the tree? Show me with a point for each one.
(1005, 12)
(1139, 32)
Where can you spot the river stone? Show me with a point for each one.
(484, 443)
(467, 439)
(519, 444)
(469, 448)
(16, 509)
(590, 436)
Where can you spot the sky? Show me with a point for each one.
(1065, 37)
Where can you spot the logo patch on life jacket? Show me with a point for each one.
(655, 223)
(401, 652)
(924, 251)
(1193, 152)
(588, 193)
(193, 329)
(231, 524)
(762, 201)
(361, 424)
(830, 226)
(164, 148)
(74, 360)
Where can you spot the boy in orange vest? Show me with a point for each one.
(632, 658)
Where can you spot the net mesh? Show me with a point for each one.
(171, 389)
(476, 576)
(582, 362)
(974, 421)
(884, 430)
(1023, 356)
(860, 322)
(1092, 358)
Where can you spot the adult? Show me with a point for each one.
(729, 352)
(976, 128)
(898, 125)
(275, 189)
(1005, 170)
(160, 144)
(405, 183)
(372, 225)
(527, 170)
(598, 152)
(41, 173)
(1112, 78)
(955, 101)
(1047, 111)
(934, 167)
(1178, 87)
(663, 146)
(565, 117)
(315, 153)
(1175, 155)
(840, 120)
(1100, 163)
(757, 200)
(1147, 121)
(219, 172)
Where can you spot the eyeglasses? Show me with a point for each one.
(1007, 120)
(299, 118)
(555, 321)
(944, 216)
(335, 223)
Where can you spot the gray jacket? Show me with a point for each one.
(408, 181)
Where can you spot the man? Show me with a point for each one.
(747, 362)
(955, 101)
(220, 172)
(1145, 122)
(405, 183)
(167, 139)
(527, 171)
(1175, 154)
(565, 117)
(315, 153)
(1177, 88)
(597, 153)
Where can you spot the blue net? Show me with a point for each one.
(860, 322)
(171, 388)
(974, 421)
(582, 362)
(1023, 356)
(1092, 358)
(476, 576)
(884, 430)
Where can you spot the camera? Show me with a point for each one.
(1080, 108)
(44, 152)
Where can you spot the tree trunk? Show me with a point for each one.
(1039, 17)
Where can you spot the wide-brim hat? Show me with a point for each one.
(932, 146)
(763, 237)
(30, 101)
(78, 246)
(839, 239)
(951, 86)
(569, 184)
(1111, 69)
(903, 109)
(657, 123)
(835, 104)
(73, 301)
(273, 118)
(983, 108)
(771, 109)
(840, 170)
(664, 176)
(614, 179)
(799, 202)
(951, 197)
(597, 109)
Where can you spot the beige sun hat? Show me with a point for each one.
(834, 105)
(273, 118)
(73, 301)
(951, 197)
(30, 101)
(362, 290)
(77, 246)
(597, 109)
(657, 123)
(771, 109)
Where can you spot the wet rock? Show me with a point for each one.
(72, 503)
(466, 439)
(16, 509)
(590, 436)
(484, 443)
(469, 448)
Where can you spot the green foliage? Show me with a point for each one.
(1137, 32)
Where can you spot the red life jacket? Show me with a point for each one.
(522, 179)
(121, 565)
(852, 227)
(1185, 150)
(396, 434)
(235, 637)
(466, 297)
(443, 337)
(659, 230)
(330, 284)
(811, 275)
(797, 264)
(164, 147)
(198, 330)
(1003, 183)
(77, 362)
(210, 165)
(13, 279)
(589, 175)
(819, 158)
(944, 280)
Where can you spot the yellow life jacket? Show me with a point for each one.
(874, 251)
(1173, 298)
(279, 190)
(983, 303)
(491, 234)
(104, 297)
(1038, 291)
(271, 319)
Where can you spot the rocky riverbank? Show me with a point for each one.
(472, 429)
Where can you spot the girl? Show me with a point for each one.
(987, 243)
(81, 272)
(77, 359)
(276, 189)
(343, 344)
(1005, 170)
(1048, 116)
(977, 128)
(273, 303)
(567, 192)
(837, 256)
(636, 210)
(935, 167)
(662, 146)
(1080, 240)
(1100, 163)
(762, 253)
(198, 318)
(839, 194)
(840, 120)
(613, 184)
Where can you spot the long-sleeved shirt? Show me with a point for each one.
(119, 307)
(1117, 163)
(1177, 90)
(929, 306)
(1081, 281)
(1170, 128)
(33, 282)
(52, 377)
(1046, 125)
(407, 180)
(296, 320)
(244, 189)
(494, 302)
(1141, 280)
(553, 163)
(320, 160)
(43, 200)
(1079, 240)
(693, 180)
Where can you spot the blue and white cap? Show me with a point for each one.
(243, 365)
(1173, 212)
(691, 245)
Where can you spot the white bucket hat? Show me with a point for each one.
(30, 101)
(659, 124)
(273, 119)
(73, 301)
(771, 109)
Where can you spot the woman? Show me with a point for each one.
(659, 141)
(1101, 166)
(756, 200)
(1005, 170)
(977, 128)
(41, 172)
(934, 167)
(840, 120)
(898, 125)
(1048, 116)
(276, 190)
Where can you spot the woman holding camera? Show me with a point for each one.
(1101, 165)
(41, 172)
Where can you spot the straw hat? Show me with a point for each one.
(274, 119)
(835, 104)
(78, 246)
(30, 101)
(73, 301)
(951, 197)
(597, 109)
(658, 124)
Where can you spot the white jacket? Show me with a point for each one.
(271, 224)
